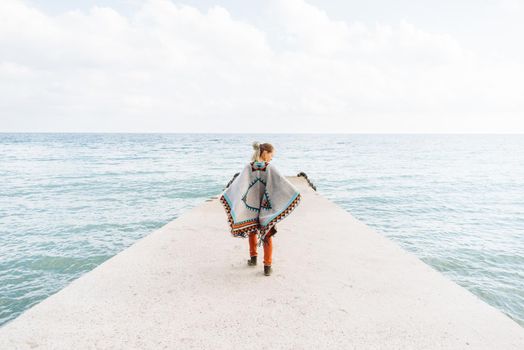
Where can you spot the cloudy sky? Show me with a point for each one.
(262, 66)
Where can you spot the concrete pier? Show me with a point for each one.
(337, 284)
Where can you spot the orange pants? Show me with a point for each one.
(268, 248)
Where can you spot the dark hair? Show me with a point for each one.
(258, 148)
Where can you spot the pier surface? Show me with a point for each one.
(337, 284)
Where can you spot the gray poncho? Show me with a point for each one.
(257, 199)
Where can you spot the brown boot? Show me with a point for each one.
(252, 261)
(267, 270)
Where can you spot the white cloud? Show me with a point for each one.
(170, 67)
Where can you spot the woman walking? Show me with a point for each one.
(256, 200)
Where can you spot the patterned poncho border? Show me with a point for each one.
(272, 198)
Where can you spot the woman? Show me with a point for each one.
(256, 200)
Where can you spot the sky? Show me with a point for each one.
(273, 66)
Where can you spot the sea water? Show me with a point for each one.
(68, 202)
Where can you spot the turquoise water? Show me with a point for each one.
(68, 202)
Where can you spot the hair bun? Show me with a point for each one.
(256, 145)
